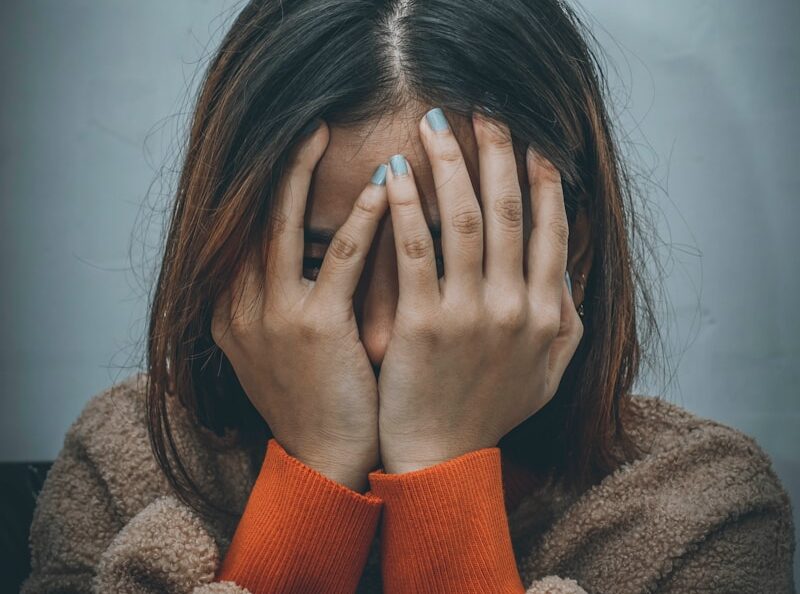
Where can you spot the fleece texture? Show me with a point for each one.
(700, 511)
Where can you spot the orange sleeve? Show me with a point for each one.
(445, 529)
(300, 531)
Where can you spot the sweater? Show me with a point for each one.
(701, 510)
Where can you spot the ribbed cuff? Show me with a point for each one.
(300, 531)
(445, 529)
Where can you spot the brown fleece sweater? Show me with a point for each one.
(701, 511)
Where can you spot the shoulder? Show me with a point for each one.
(697, 484)
(111, 436)
(666, 432)
(686, 455)
(105, 496)
(118, 408)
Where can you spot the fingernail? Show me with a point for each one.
(399, 165)
(436, 120)
(379, 177)
(569, 282)
(309, 128)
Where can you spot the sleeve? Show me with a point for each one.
(445, 529)
(300, 531)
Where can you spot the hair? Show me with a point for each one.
(283, 63)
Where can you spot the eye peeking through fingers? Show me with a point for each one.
(311, 266)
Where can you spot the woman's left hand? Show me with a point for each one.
(474, 354)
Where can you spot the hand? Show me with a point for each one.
(473, 355)
(295, 345)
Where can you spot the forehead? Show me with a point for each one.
(354, 152)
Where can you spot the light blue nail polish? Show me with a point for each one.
(437, 120)
(379, 177)
(569, 282)
(399, 165)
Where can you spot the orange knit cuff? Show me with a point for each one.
(445, 529)
(300, 531)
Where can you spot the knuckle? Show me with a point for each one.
(468, 222)
(342, 246)
(423, 328)
(218, 318)
(241, 319)
(511, 313)
(499, 136)
(548, 322)
(417, 247)
(549, 173)
(365, 208)
(217, 333)
(278, 223)
(449, 153)
(239, 324)
(309, 327)
(404, 200)
(273, 322)
(462, 315)
(508, 209)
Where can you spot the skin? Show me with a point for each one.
(374, 359)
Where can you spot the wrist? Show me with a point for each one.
(408, 458)
(353, 477)
(396, 461)
(403, 467)
(354, 480)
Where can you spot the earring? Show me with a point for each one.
(581, 280)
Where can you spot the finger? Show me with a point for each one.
(238, 302)
(565, 344)
(547, 257)
(416, 265)
(285, 253)
(462, 221)
(502, 201)
(344, 260)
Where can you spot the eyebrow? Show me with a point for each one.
(325, 234)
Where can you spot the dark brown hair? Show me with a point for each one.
(282, 64)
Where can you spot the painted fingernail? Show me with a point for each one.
(399, 165)
(436, 120)
(569, 282)
(309, 128)
(379, 177)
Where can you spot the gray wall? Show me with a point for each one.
(94, 95)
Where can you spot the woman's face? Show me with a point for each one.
(343, 172)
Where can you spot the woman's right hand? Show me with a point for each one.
(295, 346)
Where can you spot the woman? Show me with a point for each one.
(379, 361)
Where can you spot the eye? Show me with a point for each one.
(311, 267)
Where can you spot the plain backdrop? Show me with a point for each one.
(95, 97)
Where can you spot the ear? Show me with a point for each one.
(580, 254)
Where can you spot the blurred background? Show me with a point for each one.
(95, 98)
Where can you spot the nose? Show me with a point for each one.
(375, 303)
(375, 318)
